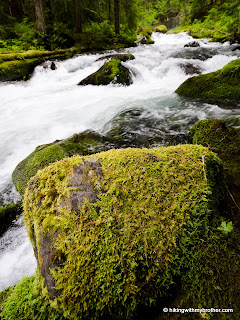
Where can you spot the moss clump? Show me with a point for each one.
(18, 69)
(215, 134)
(223, 140)
(220, 85)
(138, 239)
(25, 301)
(162, 28)
(110, 72)
(120, 56)
(87, 142)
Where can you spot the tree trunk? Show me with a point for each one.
(239, 22)
(40, 18)
(109, 9)
(117, 16)
(78, 16)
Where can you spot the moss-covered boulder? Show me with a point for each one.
(87, 142)
(218, 86)
(161, 28)
(217, 135)
(224, 140)
(118, 230)
(8, 214)
(111, 72)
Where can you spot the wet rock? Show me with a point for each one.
(53, 66)
(215, 86)
(8, 214)
(120, 56)
(87, 142)
(190, 69)
(192, 44)
(111, 72)
(98, 213)
(236, 48)
(196, 53)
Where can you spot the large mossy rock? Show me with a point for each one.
(225, 141)
(217, 86)
(111, 72)
(119, 229)
(87, 142)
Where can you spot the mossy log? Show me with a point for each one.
(20, 66)
(217, 86)
(111, 72)
(113, 231)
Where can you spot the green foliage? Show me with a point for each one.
(226, 227)
(220, 85)
(154, 208)
(25, 301)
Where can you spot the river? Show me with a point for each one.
(51, 106)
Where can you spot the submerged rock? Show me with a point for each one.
(217, 86)
(120, 56)
(192, 44)
(111, 72)
(121, 226)
(190, 69)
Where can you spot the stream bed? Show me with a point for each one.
(50, 106)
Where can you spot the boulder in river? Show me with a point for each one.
(189, 68)
(192, 44)
(111, 72)
(87, 142)
(116, 231)
(215, 86)
(120, 56)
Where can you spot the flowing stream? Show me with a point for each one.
(51, 106)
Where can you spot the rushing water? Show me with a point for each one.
(51, 106)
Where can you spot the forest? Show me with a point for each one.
(55, 24)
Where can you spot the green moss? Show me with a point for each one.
(162, 28)
(220, 85)
(26, 302)
(38, 159)
(215, 134)
(18, 69)
(87, 142)
(154, 208)
(110, 72)
(223, 140)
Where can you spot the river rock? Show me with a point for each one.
(8, 214)
(222, 85)
(192, 44)
(112, 231)
(190, 69)
(120, 56)
(111, 72)
(87, 142)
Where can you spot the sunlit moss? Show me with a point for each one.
(154, 207)
(220, 85)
